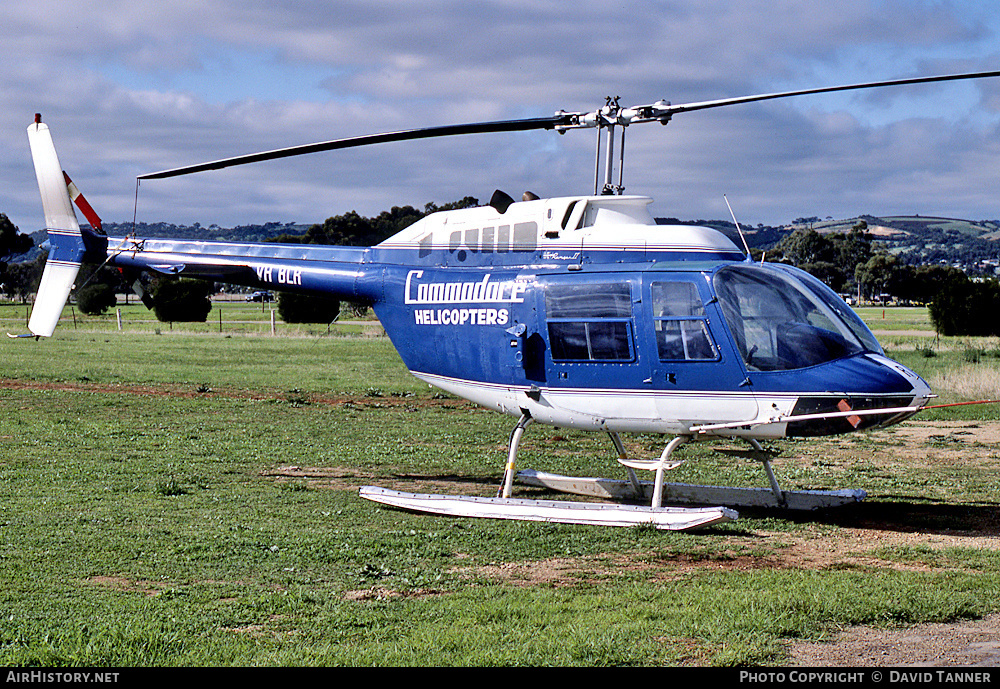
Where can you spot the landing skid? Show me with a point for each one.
(688, 494)
(656, 492)
(563, 512)
(505, 507)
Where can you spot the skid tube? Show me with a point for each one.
(555, 511)
(658, 492)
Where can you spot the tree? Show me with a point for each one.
(97, 288)
(353, 229)
(878, 274)
(12, 242)
(833, 258)
(852, 248)
(829, 273)
(921, 284)
(181, 300)
(95, 299)
(802, 247)
(964, 307)
(21, 279)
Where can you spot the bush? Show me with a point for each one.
(94, 300)
(301, 308)
(972, 355)
(964, 307)
(181, 301)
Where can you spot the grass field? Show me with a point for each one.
(190, 498)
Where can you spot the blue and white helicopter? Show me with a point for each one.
(576, 312)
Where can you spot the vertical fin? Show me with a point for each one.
(65, 237)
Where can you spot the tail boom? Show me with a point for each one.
(341, 272)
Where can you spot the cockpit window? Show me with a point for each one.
(781, 320)
(838, 306)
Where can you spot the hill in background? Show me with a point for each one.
(972, 245)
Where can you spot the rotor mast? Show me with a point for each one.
(609, 118)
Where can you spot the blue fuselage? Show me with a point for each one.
(615, 340)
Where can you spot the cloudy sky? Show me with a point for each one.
(135, 87)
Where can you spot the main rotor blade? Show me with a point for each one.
(659, 111)
(406, 135)
(704, 105)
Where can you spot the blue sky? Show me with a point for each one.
(134, 87)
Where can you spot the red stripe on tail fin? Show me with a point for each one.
(82, 204)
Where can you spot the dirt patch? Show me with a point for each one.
(380, 593)
(904, 333)
(983, 432)
(968, 644)
(365, 401)
(148, 588)
(332, 477)
(337, 478)
(971, 643)
(863, 538)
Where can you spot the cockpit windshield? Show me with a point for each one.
(783, 319)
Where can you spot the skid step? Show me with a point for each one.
(665, 518)
(685, 493)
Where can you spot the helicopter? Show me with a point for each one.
(574, 312)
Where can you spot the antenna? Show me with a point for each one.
(738, 229)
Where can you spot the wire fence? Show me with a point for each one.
(228, 316)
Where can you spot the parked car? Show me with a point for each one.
(260, 296)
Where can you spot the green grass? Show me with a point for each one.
(888, 319)
(312, 365)
(148, 518)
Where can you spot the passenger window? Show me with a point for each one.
(679, 323)
(590, 322)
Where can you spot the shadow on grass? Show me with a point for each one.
(903, 515)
